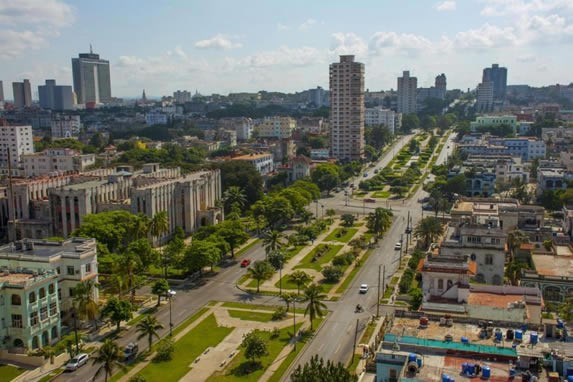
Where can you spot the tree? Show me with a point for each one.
(514, 240)
(255, 346)
(137, 378)
(288, 298)
(549, 199)
(347, 220)
(148, 327)
(313, 296)
(566, 308)
(547, 244)
(159, 225)
(300, 278)
(379, 221)
(260, 271)
(84, 301)
(243, 175)
(273, 241)
(276, 259)
(160, 288)
(316, 370)
(234, 195)
(200, 254)
(108, 356)
(326, 176)
(513, 271)
(410, 122)
(173, 253)
(129, 263)
(428, 230)
(233, 233)
(117, 310)
(331, 212)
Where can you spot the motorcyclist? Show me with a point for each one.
(359, 308)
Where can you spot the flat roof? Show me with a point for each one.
(553, 265)
(251, 156)
(47, 249)
(15, 278)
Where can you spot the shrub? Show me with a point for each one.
(344, 259)
(332, 274)
(279, 314)
(137, 378)
(275, 333)
(165, 349)
(406, 280)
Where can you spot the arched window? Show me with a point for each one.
(54, 333)
(32, 297)
(552, 293)
(42, 293)
(16, 300)
(35, 342)
(51, 289)
(18, 343)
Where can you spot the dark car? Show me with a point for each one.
(369, 200)
(130, 351)
(427, 207)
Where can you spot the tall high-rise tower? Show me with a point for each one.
(347, 109)
(92, 81)
(498, 76)
(407, 92)
(1, 92)
(22, 94)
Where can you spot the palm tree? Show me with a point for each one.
(288, 298)
(148, 327)
(315, 307)
(129, 262)
(300, 278)
(84, 300)
(273, 241)
(108, 356)
(261, 270)
(428, 230)
(158, 227)
(514, 240)
(234, 195)
(379, 220)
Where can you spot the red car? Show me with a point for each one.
(367, 200)
(245, 263)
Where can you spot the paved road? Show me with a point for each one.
(189, 299)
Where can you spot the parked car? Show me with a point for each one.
(369, 200)
(245, 263)
(424, 200)
(427, 207)
(398, 246)
(130, 351)
(376, 171)
(365, 174)
(363, 288)
(77, 362)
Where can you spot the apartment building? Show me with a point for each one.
(378, 116)
(18, 140)
(347, 109)
(407, 93)
(276, 127)
(65, 126)
(263, 162)
(56, 161)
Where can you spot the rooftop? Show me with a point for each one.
(553, 265)
(23, 278)
(252, 156)
(44, 249)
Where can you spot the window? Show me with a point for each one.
(88, 268)
(51, 289)
(71, 292)
(42, 293)
(43, 313)
(70, 270)
(488, 259)
(32, 297)
(440, 284)
(16, 300)
(33, 318)
(58, 271)
(53, 309)
(16, 320)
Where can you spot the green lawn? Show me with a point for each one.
(140, 317)
(248, 315)
(325, 258)
(247, 247)
(334, 235)
(291, 252)
(287, 284)
(353, 273)
(50, 376)
(381, 194)
(187, 349)
(8, 373)
(232, 304)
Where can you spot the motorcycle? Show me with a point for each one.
(358, 309)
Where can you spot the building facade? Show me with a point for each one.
(65, 126)
(92, 81)
(1, 91)
(378, 116)
(263, 162)
(55, 97)
(407, 93)
(494, 121)
(182, 96)
(498, 77)
(276, 127)
(484, 96)
(347, 109)
(56, 161)
(22, 94)
(19, 141)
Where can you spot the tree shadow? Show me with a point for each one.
(246, 368)
(246, 297)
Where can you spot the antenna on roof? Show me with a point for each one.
(91, 50)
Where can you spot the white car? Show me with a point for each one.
(76, 362)
(363, 288)
(398, 246)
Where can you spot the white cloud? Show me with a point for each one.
(284, 56)
(403, 43)
(526, 58)
(486, 37)
(447, 5)
(29, 24)
(307, 24)
(282, 27)
(347, 43)
(217, 42)
(524, 7)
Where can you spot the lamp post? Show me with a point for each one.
(346, 198)
(171, 294)
(294, 322)
(322, 211)
(76, 330)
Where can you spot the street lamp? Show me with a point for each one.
(346, 197)
(322, 211)
(171, 293)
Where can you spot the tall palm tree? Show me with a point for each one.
(514, 240)
(428, 230)
(379, 220)
(261, 270)
(158, 227)
(129, 262)
(234, 195)
(288, 298)
(84, 300)
(148, 327)
(300, 278)
(273, 241)
(108, 356)
(315, 307)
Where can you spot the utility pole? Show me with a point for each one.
(401, 241)
(378, 299)
(294, 322)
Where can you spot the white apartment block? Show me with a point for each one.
(484, 97)
(378, 116)
(276, 127)
(65, 126)
(56, 161)
(407, 93)
(19, 141)
(347, 109)
(182, 96)
(263, 162)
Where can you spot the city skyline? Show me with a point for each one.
(217, 47)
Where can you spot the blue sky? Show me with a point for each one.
(222, 46)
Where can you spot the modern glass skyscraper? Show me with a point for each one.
(498, 76)
(92, 81)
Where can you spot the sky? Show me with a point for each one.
(223, 46)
